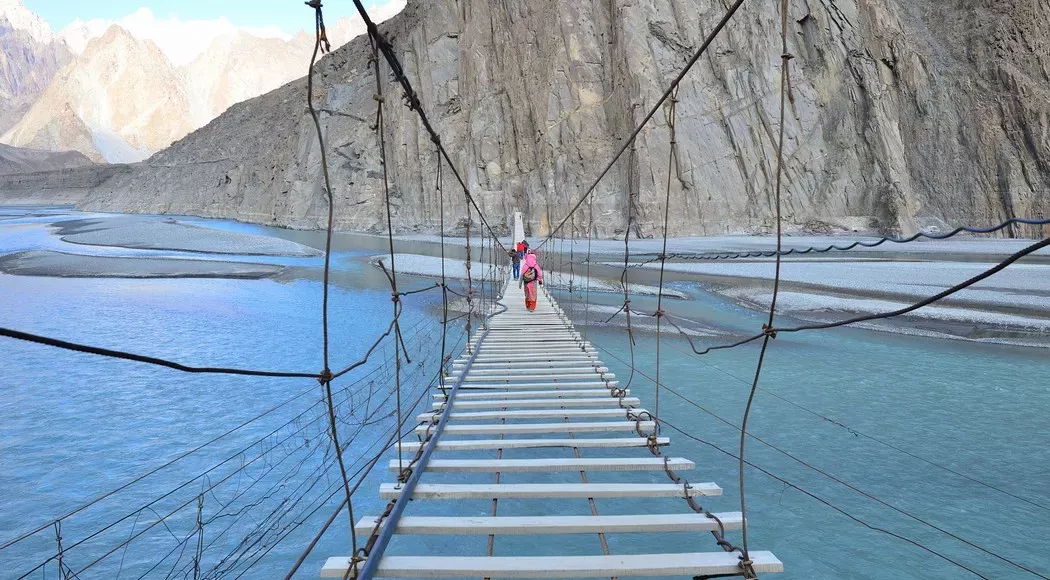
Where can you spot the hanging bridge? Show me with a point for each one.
(527, 419)
(533, 392)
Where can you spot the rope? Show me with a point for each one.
(380, 134)
(324, 528)
(768, 333)
(858, 244)
(773, 331)
(413, 103)
(263, 454)
(321, 45)
(827, 474)
(626, 308)
(857, 433)
(444, 281)
(76, 347)
(830, 505)
(671, 118)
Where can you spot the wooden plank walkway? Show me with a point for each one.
(530, 381)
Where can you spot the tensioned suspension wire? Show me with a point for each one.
(829, 504)
(785, 88)
(444, 280)
(827, 475)
(111, 353)
(590, 234)
(858, 433)
(380, 135)
(388, 415)
(320, 45)
(339, 508)
(213, 486)
(772, 331)
(470, 281)
(264, 453)
(630, 140)
(672, 147)
(413, 103)
(858, 244)
(162, 519)
(624, 283)
(299, 520)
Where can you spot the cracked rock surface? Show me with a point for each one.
(904, 114)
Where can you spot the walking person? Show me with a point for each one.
(515, 260)
(530, 278)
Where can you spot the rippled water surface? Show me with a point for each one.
(945, 434)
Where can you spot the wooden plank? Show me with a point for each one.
(550, 464)
(528, 345)
(524, 355)
(587, 358)
(536, 349)
(685, 564)
(549, 490)
(612, 412)
(530, 428)
(528, 371)
(559, 377)
(542, 525)
(541, 385)
(606, 401)
(488, 444)
(538, 337)
(556, 395)
(529, 364)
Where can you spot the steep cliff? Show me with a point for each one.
(29, 59)
(903, 114)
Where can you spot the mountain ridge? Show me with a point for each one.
(902, 117)
(15, 160)
(117, 96)
(27, 65)
(887, 130)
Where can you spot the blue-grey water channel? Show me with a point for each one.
(952, 434)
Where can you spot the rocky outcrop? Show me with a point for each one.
(902, 115)
(121, 98)
(63, 186)
(117, 101)
(16, 160)
(29, 59)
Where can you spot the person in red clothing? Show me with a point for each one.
(530, 277)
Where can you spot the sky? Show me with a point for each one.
(288, 15)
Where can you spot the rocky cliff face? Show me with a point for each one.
(117, 101)
(903, 114)
(121, 98)
(29, 59)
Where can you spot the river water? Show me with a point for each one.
(952, 434)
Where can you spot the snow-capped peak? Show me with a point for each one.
(22, 18)
(181, 40)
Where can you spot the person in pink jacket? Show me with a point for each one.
(531, 275)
